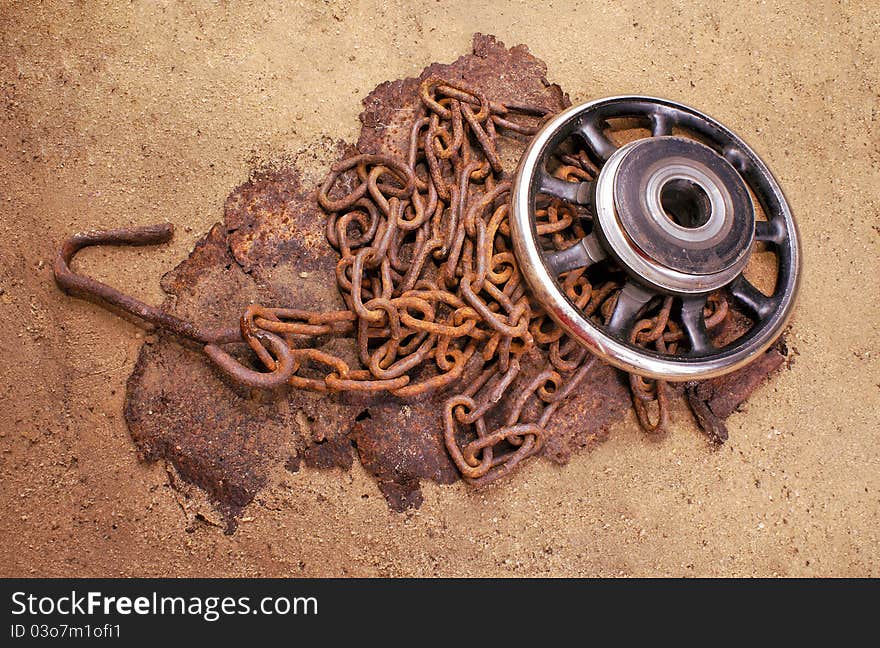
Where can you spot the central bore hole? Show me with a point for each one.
(685, 203)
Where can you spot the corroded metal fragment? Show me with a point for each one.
(223, 438)
(499, 72)
(714, 400)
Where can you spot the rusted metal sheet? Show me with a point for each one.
(583, 420)
(221, 437)
(271, 249)
(714, 400)
(401, 444)
(501, 72)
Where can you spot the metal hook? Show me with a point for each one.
(86, 287)
(82, 286)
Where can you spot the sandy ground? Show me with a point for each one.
(151, 111)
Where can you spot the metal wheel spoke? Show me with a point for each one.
(695, 325)
(769, 231)
(585, 252)
(577, 193)
(661, 125)
(595, 138)
(630, 301)
(753, 300)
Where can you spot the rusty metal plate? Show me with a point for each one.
(271, 248)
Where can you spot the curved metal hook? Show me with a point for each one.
(82, 286)
(86, 287)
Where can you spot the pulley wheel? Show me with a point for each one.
(679, 209)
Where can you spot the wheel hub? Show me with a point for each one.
(675, 214)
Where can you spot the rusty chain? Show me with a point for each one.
(431, 287)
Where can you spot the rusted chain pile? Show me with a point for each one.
(429, 278)
(431, 286)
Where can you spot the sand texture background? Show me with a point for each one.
(134, 113)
